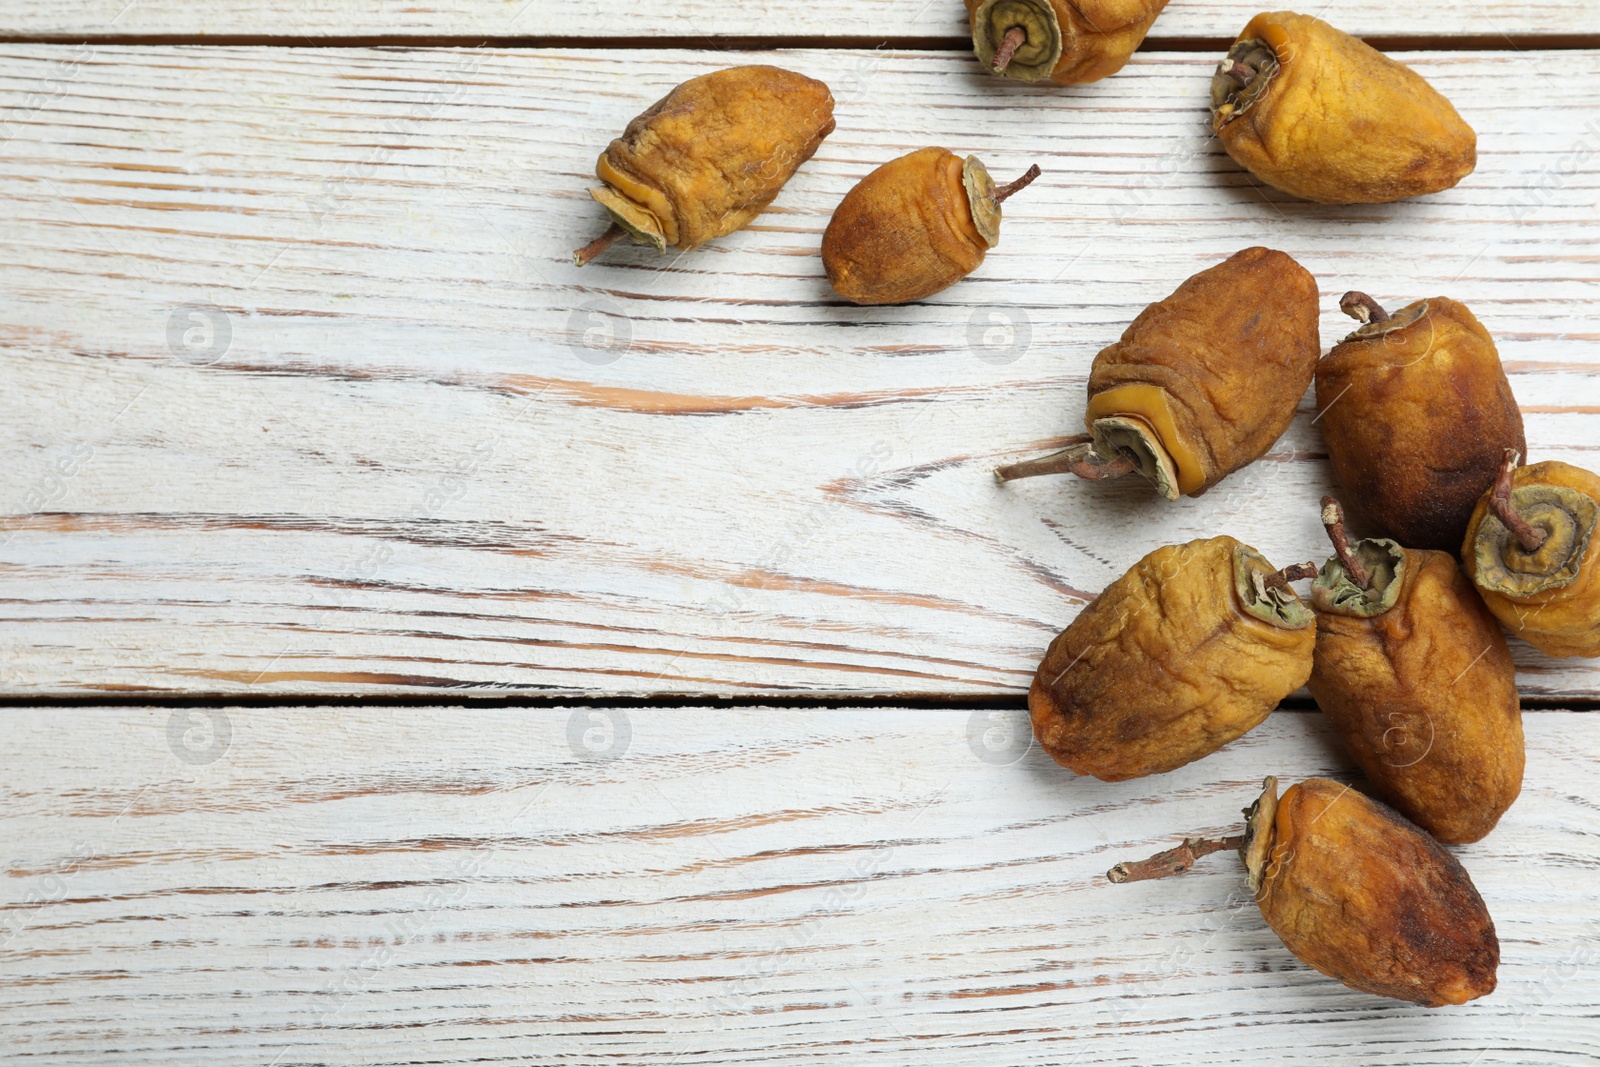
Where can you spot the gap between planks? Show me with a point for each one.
(737, 43)
(800, 701)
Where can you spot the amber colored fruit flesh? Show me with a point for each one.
(1342, 123)
(1561, 621)
(1424, 697)
(1365, 897)
(1164, 667)
(904, 232)
(1151, 404)
(713, 153)
(1217, 368)
(1417, 421)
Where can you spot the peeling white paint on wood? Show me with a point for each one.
(396, 886)
(303, 395)
(293, 19)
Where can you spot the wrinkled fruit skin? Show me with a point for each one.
(1424, 696)
(1217, 368)
(904, 232)
(1342, 123)
(1417, 421)
(1165, 667)
(1089, 39)
(1362, 895)
(712, 154)
(1559, 621)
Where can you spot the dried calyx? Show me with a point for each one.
(1535, 536)
(985, 198)
(1374, 320)
(1017, 38)
(1120, 444)
(1241, 78)
(1363, 579)
(1259, 820)
(1264, 592)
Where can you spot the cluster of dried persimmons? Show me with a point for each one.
(1401, 645)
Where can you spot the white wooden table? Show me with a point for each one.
(417, 650)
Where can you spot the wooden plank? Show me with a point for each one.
(693, 19)
(452, 886)
(408, 459)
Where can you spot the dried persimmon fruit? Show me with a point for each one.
(914, 226)
(1190, 649)
(1326, 117)
(1068, 42)
(1356, 891)
(1202, 383)
(708, 157)
(1414, 673)
(1417, 412)
(1532, 550)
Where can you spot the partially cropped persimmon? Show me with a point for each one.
(1533, 549)
(1067, 42)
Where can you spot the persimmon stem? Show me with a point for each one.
(589, 251)
(1363, 308)
(1292, 573)
(1173, 860)
(1500, 503)
(1239, 72)
(1017, 186)
(1078, 458)
(1014, 39)
(1333, 522)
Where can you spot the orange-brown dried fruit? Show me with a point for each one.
(1357, 892)
(1202, 383)
(1323, 116)
(709, 157)
(914, 226)
(1068, 42)
(1532, 550)
(1362, 895)
(1415, 674)
(1190, 649)
(1417, 412)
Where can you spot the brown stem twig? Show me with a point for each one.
(1017, 186)
(589, 251)
(1333, 522)
(1014, 39)
(1074, 459)
(1292, 573)
(1362, 307)
(1500, 503)
(1173, 860)
(1241, 74)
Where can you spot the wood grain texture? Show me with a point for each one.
(302, 394)
(450, 886)
(310, 19)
